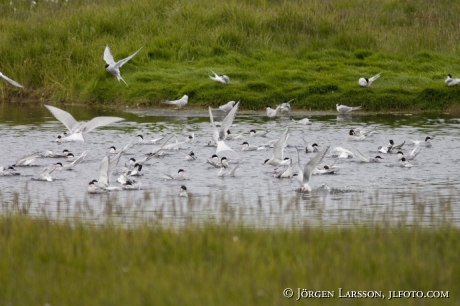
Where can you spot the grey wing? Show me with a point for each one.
(363, 157)
(12, 82)
(66, 118)
(108, 57)
(279, 145)
(228, 120)
(215, 134)
(99, 121)
(311, 165)
(237, 167)
(80, 158)
(103, 171)
(125, 60)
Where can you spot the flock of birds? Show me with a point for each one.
(285, 167)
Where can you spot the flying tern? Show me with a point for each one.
(220, 134)
(114, 67)
(12, 82)
(365, 82)
(179, 103)
(451, 81)
(309, 169)
(220, 78)
(77, 129)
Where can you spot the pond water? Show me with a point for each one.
(360, 193)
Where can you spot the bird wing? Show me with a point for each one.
(228, 120)
(99, 121)
(12, 82)
(108, 57)
(126, 59)
(311, 165)
(375, 77)
(363, 157)
(66, 118)
(278, 147)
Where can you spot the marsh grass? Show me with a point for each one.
(311, 51)
(47, 262)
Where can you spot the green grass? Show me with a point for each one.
(273, 51)
(46, 262)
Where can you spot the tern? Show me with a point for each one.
(286, 106)
(277, 158)
(77, 129)
(27, 160)
(342, 153)
(450, 81)
(179, 176)
(227, 106)
(272, 113)
(75, 161)
(309, 168)
(220, 78)
(366, 159)
(179, 103)
(346, 109)
(426, 143)
(220, 134)
(46, 174)
(12, 82)
(223, 169)
(190, 156)
(143, 141)
(365, 82)
(183, 191)
(114, 67)
(9, 170)
(304, 121)
(405, 163)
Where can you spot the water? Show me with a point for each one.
(425, 194)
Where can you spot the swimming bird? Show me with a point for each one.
(365, 82)
(451, 81)
(405, 163)
(12, 82)
(179, 176)
(354, 137)
(311, 148)
(304, 121)
(179, 103)
(253, 133)
(277, 159)
(324, 170)
(77, 129)
(346, 109)
(9, 170)
(75, 161)
(366, 159)
(93, 188)
(272, 113)
(143, 141)
(156, 151)
(342, 153)
(214, 161)
(46, 174)
(190, 156)
(247, 147)
(289, 171)
(220, 134)
(105, 171)
(220, 78)
(54, 154)
(426, 143)
(114, 67)
(227, 106)
(223, 169)
(183, 191)
(286, 106)
(309, 168)
(27, 160)
(412, 154)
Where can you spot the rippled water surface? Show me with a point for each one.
(427, 193)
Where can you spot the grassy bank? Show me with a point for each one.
(46, 263)
(310, 51)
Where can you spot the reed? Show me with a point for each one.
(48, 262)
(310, 51)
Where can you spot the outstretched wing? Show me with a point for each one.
(108, 57)
(67, 119)
(125, 60)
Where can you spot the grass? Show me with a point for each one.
(310, 51)
(51, 263)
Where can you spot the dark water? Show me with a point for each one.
(426, 193)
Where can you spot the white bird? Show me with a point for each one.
(50, 153)
(304, 121)
(12, 82)
(114, 67)
(190, 156)
(426, 143)
(412, 154)
(247, 147)
(93, 188)
(9, 170)
(346, 109)
(231, 136)
(223, 169)
(311, 148)
(179, 103)
(157, 150)
(451, 81)
(143, 141)
(183, 191)
(220, 78)
(77, 129)
(220, 134)
(365, 82)
(405, 163)
(75, 161)
(272, 113)
(309, 169)
(325, 170)
(27, 160)
(253, 133)
(105, 171)
(179, 176)
(286, 106)
(46, 174)
(136, 171)
(354, 137)
(214, 161)
(277, 159)
(366, 159)
(342, 153)
(227, 106)
(288, 172)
